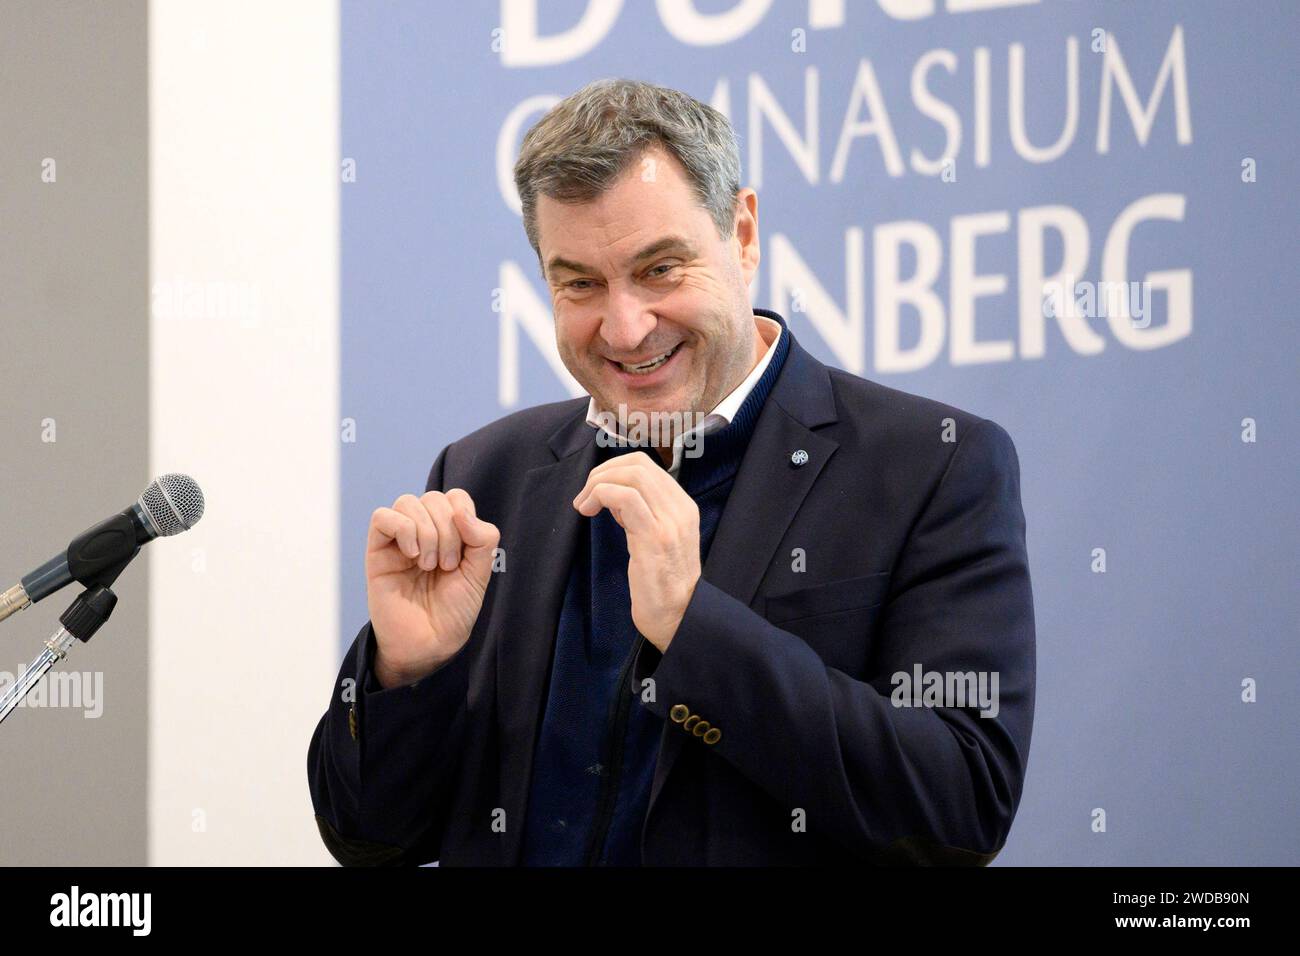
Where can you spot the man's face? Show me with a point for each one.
(639, 273)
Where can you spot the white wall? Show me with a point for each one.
(244, 397)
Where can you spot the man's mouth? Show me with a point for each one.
(648, 366)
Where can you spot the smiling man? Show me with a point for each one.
(664, 624)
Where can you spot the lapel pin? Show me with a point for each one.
(798, 457)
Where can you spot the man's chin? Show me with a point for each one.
(632, 409)
(639, 405)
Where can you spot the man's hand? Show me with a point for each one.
(428, 565)
(663, 538)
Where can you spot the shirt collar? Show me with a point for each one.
(726, 409)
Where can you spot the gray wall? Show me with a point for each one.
(74, 302)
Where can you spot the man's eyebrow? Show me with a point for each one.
(679, 243)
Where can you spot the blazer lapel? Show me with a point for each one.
(768, 492)
(528, 611)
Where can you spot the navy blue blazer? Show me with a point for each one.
(896, 547)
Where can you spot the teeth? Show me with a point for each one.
(650, 366)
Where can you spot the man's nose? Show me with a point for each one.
(626, 323)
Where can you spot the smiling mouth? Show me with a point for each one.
(645, 368)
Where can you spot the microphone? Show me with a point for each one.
(171, 504)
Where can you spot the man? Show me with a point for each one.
(689, 647)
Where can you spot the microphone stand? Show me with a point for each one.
(82, 618)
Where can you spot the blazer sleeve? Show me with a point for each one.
(381, 762)
(908, 785)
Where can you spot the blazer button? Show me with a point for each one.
(713, 736)
(352, 721)
(691, 721)
(679, 713)
(700, 728)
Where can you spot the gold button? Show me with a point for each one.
(352, 721)
(701, 728)
(679, 713)
(691, 721)
(713, 736)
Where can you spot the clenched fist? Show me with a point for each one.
(428, 564)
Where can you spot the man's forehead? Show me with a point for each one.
(653, 195)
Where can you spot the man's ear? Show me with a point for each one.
(745, 232)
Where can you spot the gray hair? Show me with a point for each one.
(586, 141)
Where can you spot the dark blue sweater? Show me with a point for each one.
(596, 754)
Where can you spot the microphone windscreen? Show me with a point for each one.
(172, 503)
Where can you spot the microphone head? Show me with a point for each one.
(172, 504)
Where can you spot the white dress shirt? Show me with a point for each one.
(725, 410)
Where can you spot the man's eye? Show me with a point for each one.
(576, 284)
(655, 271)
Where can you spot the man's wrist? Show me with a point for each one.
(389, 676)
